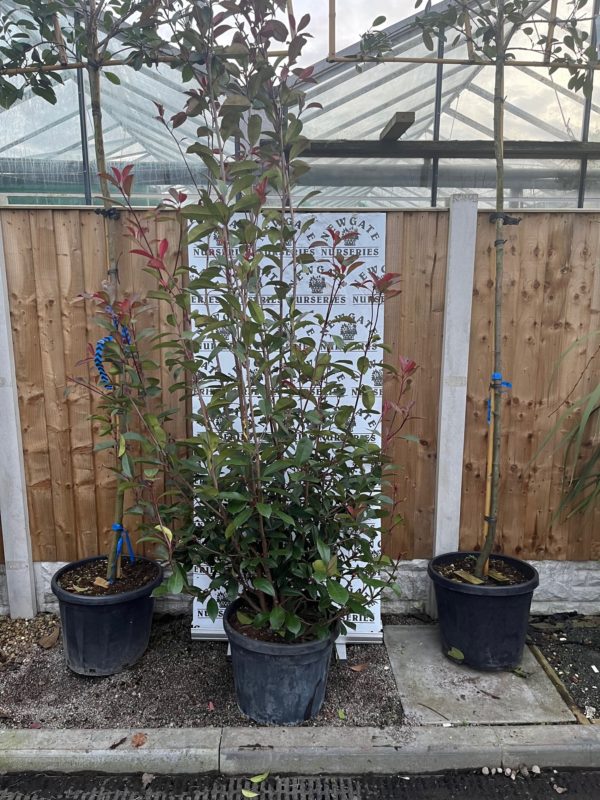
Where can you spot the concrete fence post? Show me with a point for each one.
(453, 383)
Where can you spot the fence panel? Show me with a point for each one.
(552, 297)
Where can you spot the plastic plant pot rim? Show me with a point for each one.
(103, 600)
(485, 590)
(274, 648)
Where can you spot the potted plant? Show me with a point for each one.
(279, 493)
(106, 602)
(483, 598)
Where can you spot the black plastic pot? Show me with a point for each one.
(486, 623)
(104, 635)
(278, 684)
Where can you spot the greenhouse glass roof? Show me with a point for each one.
(41, 144)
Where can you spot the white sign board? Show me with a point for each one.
(363, 236)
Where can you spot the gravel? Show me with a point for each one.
(571, 644)
(178, 683)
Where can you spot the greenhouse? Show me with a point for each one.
(42, 159)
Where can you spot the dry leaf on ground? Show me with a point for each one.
(50, 640)
(139, 739)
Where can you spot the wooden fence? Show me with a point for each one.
(552, 297)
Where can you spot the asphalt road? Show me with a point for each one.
(549, 785)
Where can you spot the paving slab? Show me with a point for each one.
(434, 690)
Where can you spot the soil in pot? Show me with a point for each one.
(501, 572)
(81, 579)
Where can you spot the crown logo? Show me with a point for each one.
(317, 284)
(377, 376)
(350, 235)
(348, 331)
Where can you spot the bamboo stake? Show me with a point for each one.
(488, 471)
(468, 33)
(551, 26)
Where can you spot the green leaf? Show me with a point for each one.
(112, 77)
(249, 793)
(378, 21)
(338, 593)
(293, 624)
(263, 585)
(264, 509)
(303, 451)
(324, 551)
(277, 618)
(212, 609)
(368, 397)
(127, 465)
(256, 312)
(254, 128)
(455, 654)
(122, 446)
(259, 778)
(243, 619)
(175, 582)
(341, 713)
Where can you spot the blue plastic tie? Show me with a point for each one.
(124, 535)
(98, 361)
(496, 380)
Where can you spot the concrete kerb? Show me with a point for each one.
(299, 751)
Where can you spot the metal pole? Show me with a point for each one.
(437, 113)
(587, 112)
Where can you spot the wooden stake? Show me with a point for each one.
(332, 30)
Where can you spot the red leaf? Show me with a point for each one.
(178, 119)
(211, 705)
(407, 365)
(163, 247)
(144, 253)
(127, 184)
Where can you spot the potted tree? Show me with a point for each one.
(483, 598)
(281, 488)
(105, 602)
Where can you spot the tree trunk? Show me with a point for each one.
(491, 521)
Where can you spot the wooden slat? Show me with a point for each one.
(93, 258)
(583, 537)
(54, 380)
(75, 314)
(417, 249)
(28, 363)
